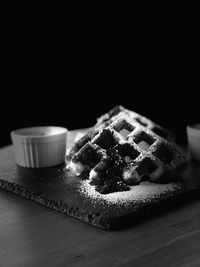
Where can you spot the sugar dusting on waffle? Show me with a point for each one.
(123, 150)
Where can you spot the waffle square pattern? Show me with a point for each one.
(124, 149)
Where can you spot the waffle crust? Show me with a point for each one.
(124, 149)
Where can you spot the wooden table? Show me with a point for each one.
(33, 235)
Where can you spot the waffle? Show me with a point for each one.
(118, 111)
(122, 150)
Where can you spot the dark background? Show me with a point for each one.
(68, 77)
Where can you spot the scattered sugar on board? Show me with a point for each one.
(143, 192)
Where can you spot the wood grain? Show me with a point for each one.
(33, 235)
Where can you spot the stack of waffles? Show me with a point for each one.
(123, 149)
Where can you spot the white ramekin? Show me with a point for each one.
(193, 134)
(41, 146)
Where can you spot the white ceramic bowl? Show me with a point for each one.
(193, 134)
(42, 146)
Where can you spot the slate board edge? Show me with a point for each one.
(95, 219)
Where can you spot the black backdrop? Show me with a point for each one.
(70, 79)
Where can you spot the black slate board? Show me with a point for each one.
(55, 188)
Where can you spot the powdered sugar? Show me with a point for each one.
(143, 192)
